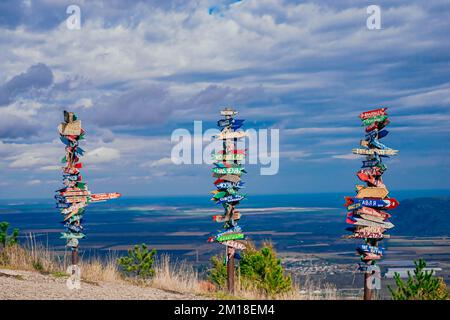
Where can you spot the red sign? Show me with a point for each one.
(104, 196)
(373, 113)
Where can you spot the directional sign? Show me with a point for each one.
(228, 185)
(229, 178)
(373, 212)
(229, 157)
(234, 123)
(240, 245)
(73, 128)
(225, 171)
(387, 152)
(389, 203)
(373, 113)
(228, 112)
(231, 198)
(225, 218)
(370, 249)
(230, 236)
(104, 196)
(69, 235)
(371, 192)
(370, 223)
(231, 135)
(378, 125)
(372, 120)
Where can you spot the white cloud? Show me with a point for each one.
(318, 130)
(34, 182)
(158, 163)
(101, 155)
(346, 156)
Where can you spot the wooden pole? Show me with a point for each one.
(75, 256)
(367, 291)
(230, 269)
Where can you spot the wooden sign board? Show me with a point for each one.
(373, 113)
(104, 196)
(370, 256)
(373, 212)
(225, 135)
(75, 193)
(76, 199)
(230, 178)
(369, 229)
(372, 120)
(228, 112)
(371, 192)
(230, 236)
(375, 224)
(387, 152)
(240, 245)
(229, 157)
(359, 235)
(70, 235)
(74, 207)
(69, 129)
(372, 218)
(226, 171)
(225, 218)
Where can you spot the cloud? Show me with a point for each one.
(148, 105)
(158, 163)
(101, 155)
(306, 68)
(319, 130)
(14, 126)
(34, 182)
(346, 156)
(36, 77)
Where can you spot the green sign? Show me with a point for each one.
(231, 236)
(228, 157)
(236, 170)
(369, 121)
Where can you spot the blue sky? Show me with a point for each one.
(138, 70)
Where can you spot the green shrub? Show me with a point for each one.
(258, 269)
(218, 272)
(139, 262)
(5, 239)
(263, 270)
(420, 286)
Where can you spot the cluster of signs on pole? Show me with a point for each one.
(74, 196)
(228, 171)
(367, 210)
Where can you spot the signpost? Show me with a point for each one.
(367, 209)
(75, 195)
(229, 171)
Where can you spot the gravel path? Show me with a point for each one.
(25, 285)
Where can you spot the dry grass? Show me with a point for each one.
(98, 270)
(173, 276)
(309, 291)
(176, 276)
(31, 256)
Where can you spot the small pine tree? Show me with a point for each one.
(258, 269)
(422, 286)
(218, 273)
(5, 239)
(139, 262)
(263, 270)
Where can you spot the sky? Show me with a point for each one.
(138, 70)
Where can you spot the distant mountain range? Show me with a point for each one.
(422, 217)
